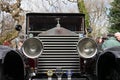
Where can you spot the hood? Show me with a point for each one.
(58, 31)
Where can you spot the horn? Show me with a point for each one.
(32, 48)
(87, 47)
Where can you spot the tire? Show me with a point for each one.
(107, 68)
(1, 72)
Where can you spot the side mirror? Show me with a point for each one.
(18, 27)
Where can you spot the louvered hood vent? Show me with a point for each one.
(59, 51)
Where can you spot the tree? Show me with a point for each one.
(14, 9)
(8, 10)
(98, 20)
(114, 16)
(82, 9)
(7, 30)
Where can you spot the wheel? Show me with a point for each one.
(108, 68)
(1, 72)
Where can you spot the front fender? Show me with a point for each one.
(11, 65)
(108, 64)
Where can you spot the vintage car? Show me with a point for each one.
(55, 48)
(57, 45)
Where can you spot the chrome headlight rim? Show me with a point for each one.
(24, 44)
(92, 41)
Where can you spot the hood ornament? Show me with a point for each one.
(58, 23)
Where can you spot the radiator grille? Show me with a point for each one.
(59, 51)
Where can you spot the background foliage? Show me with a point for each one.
(82, 9)
(114, 16)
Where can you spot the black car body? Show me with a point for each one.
(62, 45)
(55, 47)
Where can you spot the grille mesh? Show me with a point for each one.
(59, 51)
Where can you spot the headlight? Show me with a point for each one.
(32, 47)
(87, 47)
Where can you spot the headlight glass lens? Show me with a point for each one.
(87, 47)
(32, 47)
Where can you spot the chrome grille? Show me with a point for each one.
(59, 51)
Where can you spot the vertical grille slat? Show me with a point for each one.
(59, 51)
